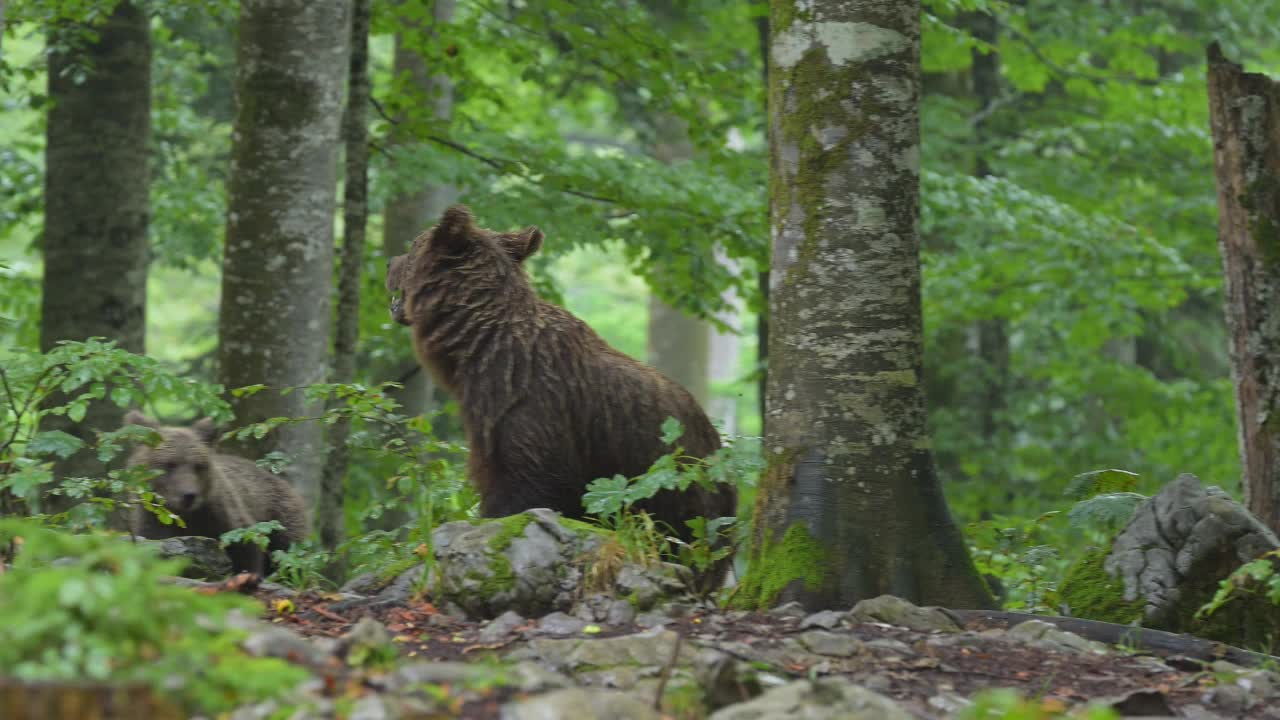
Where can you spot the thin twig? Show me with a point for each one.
(666, 671)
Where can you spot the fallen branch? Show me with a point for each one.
(1113, 634)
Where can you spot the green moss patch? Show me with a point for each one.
(1092, 593)
(798, 557)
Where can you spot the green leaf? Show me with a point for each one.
(1097, 482)
(671, 431)
(54, 442)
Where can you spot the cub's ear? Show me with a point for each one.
(134, 417)
(454, 229)
(205, 430)
(522, 244)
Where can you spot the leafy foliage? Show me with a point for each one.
(102, 612)
(1257, 577)
(64, 381)
(612, 499)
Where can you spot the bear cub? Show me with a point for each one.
(213, 493)
(547, 405)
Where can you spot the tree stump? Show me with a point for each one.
(1244, 112)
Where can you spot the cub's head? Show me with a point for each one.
(183, 458)
(457, 259)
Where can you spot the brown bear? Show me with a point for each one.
(548, 405)
(214, 493)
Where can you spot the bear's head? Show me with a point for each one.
(183, 458)
(456, 255)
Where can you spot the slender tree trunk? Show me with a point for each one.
(1244, 111)
(679, 346)
(849, 506)
(762, 319)
(992, 333)
(96, 206)
(410, 212)
(355, 213)
(278, 259)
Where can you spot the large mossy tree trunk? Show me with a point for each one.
(278, 257)
(1244, 111)
(849, 506)
(355, 214)
(425, 98)
(96, 206)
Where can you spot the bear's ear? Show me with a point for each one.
(522, 244)
(205, 430)
(454, 229)
(134, 417)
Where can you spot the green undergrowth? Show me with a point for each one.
(95, 608)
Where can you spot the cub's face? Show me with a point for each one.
(455, 250)
(183, 460)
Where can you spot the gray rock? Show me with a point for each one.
(580, 704)
(620, 612)
(558, 623)
(825, 619)
(527, 677)
(1228, 698)
(367, 638)
(889, 645)
(1044, 634)
(489, 567)
(791, 609)
(829, 698)
(267, 640)
(370, 707)
(724, 679)
(1181, 535)
(500, 627)
(832, 644)
(896, 611)
(652, 619)
(206, 560)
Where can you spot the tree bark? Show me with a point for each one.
(96, 206)
(1244, 112)
(410, 212)
(355, 214)
(849, 462)
(278, 256)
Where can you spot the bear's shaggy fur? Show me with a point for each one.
(214, 493)
(547, 404)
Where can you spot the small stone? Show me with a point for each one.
(620, 612)
(369, 707)
(580, 704)
(1047, 635)
(832, 644)
(825, 699)
(1231, 699)
(500, 627)
(889, 645)
(267, 640)
(652, 619)
(825, 619)
(558, 623)
(896, 611)
(792, 609)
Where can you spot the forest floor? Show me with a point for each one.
(930, 674)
